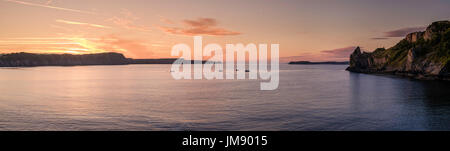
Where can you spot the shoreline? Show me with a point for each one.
(416, 76)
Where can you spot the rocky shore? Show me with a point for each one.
(421, 55)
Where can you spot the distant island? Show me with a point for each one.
(421, 55)
(316, 63)
(23, 59)
(151, 61)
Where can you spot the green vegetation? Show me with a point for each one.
(420, 53)
(437, 49)
(444, 47)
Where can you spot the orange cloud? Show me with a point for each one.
(201, 26)
(80, 23)
(201, 22)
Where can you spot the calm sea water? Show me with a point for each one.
(145, 97)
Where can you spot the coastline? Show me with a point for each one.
(420, 55)
(37, 60)
(416, 76)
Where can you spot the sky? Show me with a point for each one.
(314, 30)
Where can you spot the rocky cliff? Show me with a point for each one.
(423, 55)
(29, 59)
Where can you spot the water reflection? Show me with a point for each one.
(145, 97)
(407, 103)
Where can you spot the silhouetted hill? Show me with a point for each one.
(23, 59)
(30, 59)
(157, 61)
(152, 61)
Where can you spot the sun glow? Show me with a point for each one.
(71, 45)
(88, 46)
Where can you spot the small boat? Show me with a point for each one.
(245, 70)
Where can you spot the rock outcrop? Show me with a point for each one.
(414, 37)
(423, 55)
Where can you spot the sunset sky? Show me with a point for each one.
(315, 30)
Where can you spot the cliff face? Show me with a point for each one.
(30, 59)
(424, 55)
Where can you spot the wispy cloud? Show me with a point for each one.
(379, 38)
(36, 43)
(73, 44)
(200, 26)
(47, 5)
(128, 24)
(39, 45)
(55, 38)
(339, 52)
(81, 23)
(403, 31)
(127, 20)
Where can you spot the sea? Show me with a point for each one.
(147, 97)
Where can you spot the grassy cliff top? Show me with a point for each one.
(432, 44)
